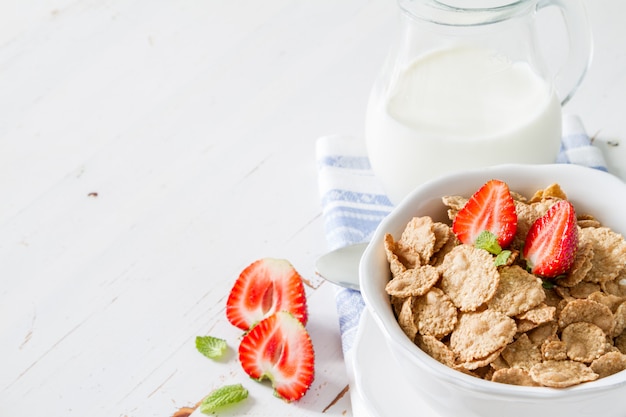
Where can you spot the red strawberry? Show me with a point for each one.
(279, 348)
(491, 208)
(552, 241)
(264, 287)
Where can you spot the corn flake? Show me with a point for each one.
(518, 291)
(554, 350)
(522, 353)
(553, 191)
(561, 374)
(417, 242)
(616, 286)
(436, 349)
(587, 220)
(538, 315)
(395, 264)
(582, 265)
(436, 314)
(584, 341)
(469, 276)
(406, 318)
(587, 311)
(514, 376)
(608, 364)
(609, 252)
(479, 334)
(413, 282)
(620, 319)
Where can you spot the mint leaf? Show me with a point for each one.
(211, 347)
(226, 395)
(488, 241)
(503, 257)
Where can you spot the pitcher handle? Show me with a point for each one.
(571, 74)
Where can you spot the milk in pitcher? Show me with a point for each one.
(459, 108)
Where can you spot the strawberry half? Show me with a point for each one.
(552, 241)
(264, 287)
(491, 208)
(280, 349)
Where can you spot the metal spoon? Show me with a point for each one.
(341, 266)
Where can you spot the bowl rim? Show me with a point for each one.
(381, 311)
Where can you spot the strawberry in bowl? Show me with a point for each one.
(552, 241)
(491, 209)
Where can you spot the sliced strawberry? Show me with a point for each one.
(279, 348)
(552, 241)
(491, 208)
(264, 287)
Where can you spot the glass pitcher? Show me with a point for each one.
(466, 86)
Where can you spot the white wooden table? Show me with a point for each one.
(150, 150)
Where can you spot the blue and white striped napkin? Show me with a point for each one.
(354, 203)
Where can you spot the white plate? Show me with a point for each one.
(379, 398)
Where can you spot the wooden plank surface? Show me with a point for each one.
(149, 151)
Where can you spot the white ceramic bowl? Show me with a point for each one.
(451, 393)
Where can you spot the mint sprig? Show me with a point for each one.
(503, 258)
(211, 347)
(220, 397)
(488, 241)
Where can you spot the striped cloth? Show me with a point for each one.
(354, 203)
